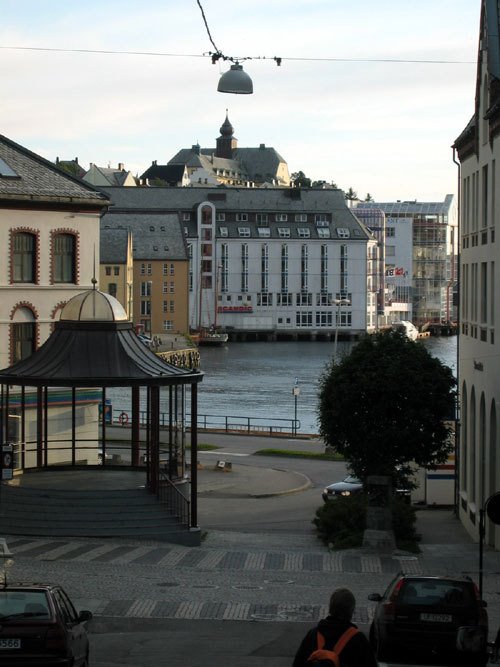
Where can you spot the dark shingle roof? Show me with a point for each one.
(170, 173)
(154, 235)
(113, 245)
(38, 179)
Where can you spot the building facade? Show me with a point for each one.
(267, 262)
(478, 149)
(421, 246)
(49, 240)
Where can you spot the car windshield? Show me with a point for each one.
(23, 604)
(350, 479)
(427, 593)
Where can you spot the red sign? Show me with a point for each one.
(235, 309)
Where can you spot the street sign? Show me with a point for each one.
(7, 462)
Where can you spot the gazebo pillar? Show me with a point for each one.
(194, 456)
(136, 427)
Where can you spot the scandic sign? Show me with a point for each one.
(235, 309)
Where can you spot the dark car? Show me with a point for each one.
(423, 615)
(347, 487)
(40, 626)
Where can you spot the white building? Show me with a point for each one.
(270, 262)
(478, 149)
(49, 243)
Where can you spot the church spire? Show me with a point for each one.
(226, 143)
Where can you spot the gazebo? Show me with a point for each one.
(54, 401)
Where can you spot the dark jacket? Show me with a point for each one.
(356, 653)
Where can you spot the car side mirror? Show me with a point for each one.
(375, 597)
(84, 616)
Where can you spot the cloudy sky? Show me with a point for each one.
(340, 108)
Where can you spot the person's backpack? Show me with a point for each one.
(322, 657)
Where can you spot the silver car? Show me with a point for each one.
(347, 487)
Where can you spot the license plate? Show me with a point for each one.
(10, 643)
(437, 618)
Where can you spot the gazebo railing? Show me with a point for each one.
(174, 501)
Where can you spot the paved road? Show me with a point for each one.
(243, 597)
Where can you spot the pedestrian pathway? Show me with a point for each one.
(231, 576)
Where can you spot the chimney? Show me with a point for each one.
(121, 166)
(262, 147)
(154, 163)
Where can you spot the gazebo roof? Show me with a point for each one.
(94, 344)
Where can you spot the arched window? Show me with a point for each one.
(23, 332)
(64, 258)
(24, 258)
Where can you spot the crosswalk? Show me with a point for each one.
(207, 558)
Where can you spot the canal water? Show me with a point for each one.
(257, 379)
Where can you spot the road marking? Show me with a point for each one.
(220, 453)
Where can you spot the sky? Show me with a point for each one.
(338, 108)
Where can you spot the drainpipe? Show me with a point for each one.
(457, 409)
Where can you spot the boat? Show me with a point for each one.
(209, 335)
(408, 328)
(212, 337)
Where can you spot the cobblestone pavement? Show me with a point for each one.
(232, 576)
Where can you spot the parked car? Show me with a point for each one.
(347, 487)
(40, 626)
(424, 615)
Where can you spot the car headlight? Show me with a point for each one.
(345, 493)
(325, 491)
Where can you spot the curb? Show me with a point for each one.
(306, 485)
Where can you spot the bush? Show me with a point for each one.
(340, 523)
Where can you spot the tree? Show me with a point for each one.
(300, 180)
(387, 405)
(351, 194)
(369, 197)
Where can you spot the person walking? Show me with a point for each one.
(339, 634)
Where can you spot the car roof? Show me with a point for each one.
(28, 587)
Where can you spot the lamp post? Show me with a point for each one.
(296, 394)
(338, 303)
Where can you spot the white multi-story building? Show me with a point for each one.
(478, 149)
(420, 258)
(270, 262)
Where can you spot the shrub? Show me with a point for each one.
(340, 523)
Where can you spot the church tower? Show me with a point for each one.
(226, 143)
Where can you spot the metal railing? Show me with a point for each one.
(226, 423)
(173, 500)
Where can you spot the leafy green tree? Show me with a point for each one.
(386, 405)
(300, 180)
(351, 194)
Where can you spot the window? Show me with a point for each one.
(145, 307)
(221, 217)
(242, 217)
(304, 319)
(223, 231)
(321, 223)
(264, 299)
(23, 340)
(303, 232)
(301, 217)
(146, 288)
(172, 306)
(324, 233)
(64, 258)
(165, 307)
(186, 217)
(304, 299)
(172, 287)
(116, 270)
(324, 299)
(281, 217)
(261, 218)
(390, 232)
(264, 231)
(284, 299)
(24, 258)
(112, 289)
(284, 232)
(324, 318)
(244, 231)
(165, 287)
(168, 325)
(321, 217)
(108, 270)
(343, 233)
